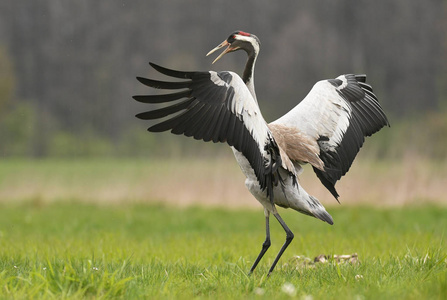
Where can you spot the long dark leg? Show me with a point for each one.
(266, 243)
(289, 238)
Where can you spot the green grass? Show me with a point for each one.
(157, 252)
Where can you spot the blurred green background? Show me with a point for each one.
(68, 68)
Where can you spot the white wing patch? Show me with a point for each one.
(246, 108)
(344, 82)
(216, 79)
(321, 113)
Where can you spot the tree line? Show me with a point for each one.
(67, 68)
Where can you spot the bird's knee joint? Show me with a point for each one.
(290, 236)
(266, 244)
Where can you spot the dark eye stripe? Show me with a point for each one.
(231, 38)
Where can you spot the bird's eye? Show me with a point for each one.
(231, 38)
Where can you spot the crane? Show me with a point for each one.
(326, 129)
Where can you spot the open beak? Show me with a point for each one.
(223, 44)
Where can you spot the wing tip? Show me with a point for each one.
(138, 98)
(171, 72)
(140, 116)
(156, 128)
(153, 65)
(328, 181)
(360, 77)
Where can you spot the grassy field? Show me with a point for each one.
(153, 251)
(97, 229)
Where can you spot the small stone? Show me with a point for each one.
(320, 258)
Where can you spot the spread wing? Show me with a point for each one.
(337, 114)
(218, 107)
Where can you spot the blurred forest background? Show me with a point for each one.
(68, 68)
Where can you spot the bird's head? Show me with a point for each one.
(238, 40)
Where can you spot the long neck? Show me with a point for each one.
(249, 72)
